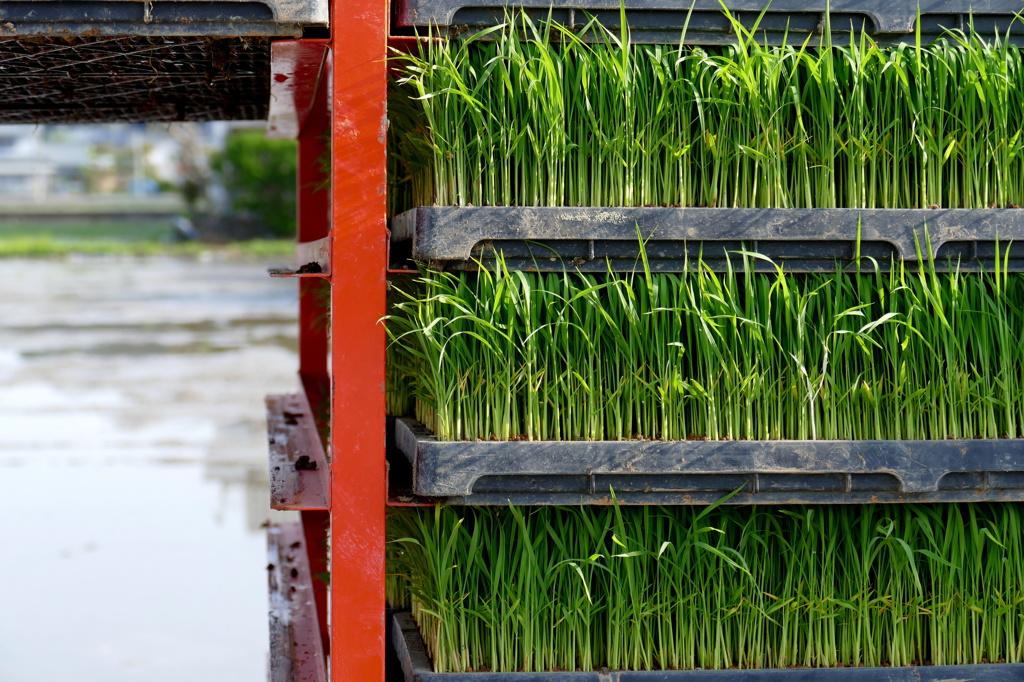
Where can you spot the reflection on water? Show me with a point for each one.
(133, 465)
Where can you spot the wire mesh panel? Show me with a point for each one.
(133, 79)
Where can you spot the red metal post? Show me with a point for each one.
(358, 266)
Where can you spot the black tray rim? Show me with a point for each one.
(451, 469)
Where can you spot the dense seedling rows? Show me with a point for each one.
(681, 587)
(738, 355)
(529, 115)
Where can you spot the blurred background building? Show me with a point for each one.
(216, 181)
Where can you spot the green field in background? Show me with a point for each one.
(53, 238)
(84, 230)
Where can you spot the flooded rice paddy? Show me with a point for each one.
(133, 467)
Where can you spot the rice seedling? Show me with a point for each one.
(747, 355)
(527, 114)
(647, 588)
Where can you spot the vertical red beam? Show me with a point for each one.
(314, 214)
(358, 265)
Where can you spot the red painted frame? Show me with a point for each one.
(345, 96)
(359, 262)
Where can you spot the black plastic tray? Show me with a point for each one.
(702, 472)
(227, 18)
(412, 653)
(594, 239)
(657, 21)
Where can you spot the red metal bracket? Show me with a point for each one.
(299, 476)
(297, 68)
(313, 259)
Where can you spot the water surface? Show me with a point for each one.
(133, 467)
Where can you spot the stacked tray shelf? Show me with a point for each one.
(701, 472)
(602, 239)
(645, 472)
(795, 21)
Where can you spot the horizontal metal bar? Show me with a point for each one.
(212, 29)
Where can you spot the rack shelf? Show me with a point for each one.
(588, 239)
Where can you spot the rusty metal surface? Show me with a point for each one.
(314, 211)
(316, 526)
(298, 467)
(296, 654)
(133, 79)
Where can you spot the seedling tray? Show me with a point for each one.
(225, 18)
(596, 239)
(702, 472)
(416, 666)
(796, 21)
